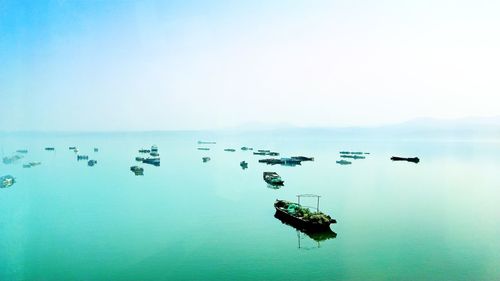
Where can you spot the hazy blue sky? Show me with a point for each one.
(141, 65)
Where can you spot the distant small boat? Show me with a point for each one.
(303, 158)
(144, 151)
(290, 161)
(91, 162)
(26, 166)
(230, 149)
(272, 153)
(82, 157)
(411, 159)
(273, 178)
(35, 163)
(344, 152)
(264, 150)
(344, 162)
(205, 159)
(154, 154)
(7, 181)
(259, 153)
(206, 142)
(50, 148)
(203, 148)
(246, 148)
(72, 147)
(244, 165)
(96, 149)
(140, 159)
(152, 161)
(23, 151)
(138, 171)
(11, 160)
(154, 148)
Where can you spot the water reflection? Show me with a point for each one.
(302, 233)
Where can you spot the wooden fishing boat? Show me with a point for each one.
(273, 178)
(301, 217)
(410, 159)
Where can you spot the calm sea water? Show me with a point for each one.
(188, 220)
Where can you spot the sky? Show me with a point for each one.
(183, 65)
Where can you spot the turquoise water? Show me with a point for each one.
(188, 220)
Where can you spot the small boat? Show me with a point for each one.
(76, 150)
(230, 149)
(244, 165)
(33, 164)
(411, 159)
(11, 160)
(259, 153)
(154, 154)
(50, 148)
(358, 157)
(26, 166)
(92, 162)
(154, 148)
(205, 159)
(264, 150)
(347, 156)
(344, 162)
(271, 153)
(203, 148)
(273, 178)
(206, 142)
(144, 151)
(139, 159)
(23, 151)
(271, 161)
(152, 161)
(7, 181)
(246, 148)
(82, 157)
(357, 152)
(72, 147)
(303, 158)
(139, 171)
(290, 162)
(96, 149)
(302, 217)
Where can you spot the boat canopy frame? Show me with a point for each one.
(309, 195)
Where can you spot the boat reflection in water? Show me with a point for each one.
(302, 233)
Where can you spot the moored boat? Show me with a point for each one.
(23, 151)
(203, 148)
(344, 162)
(303, 158)
(206, 142)
(91, 162)
(302, 217)
(230, 149)
(7, 181)
(273, 178)
(50, 148)
(244, 165)
(152, 161)
(205, 159)
(138, 171)
(410, 159)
